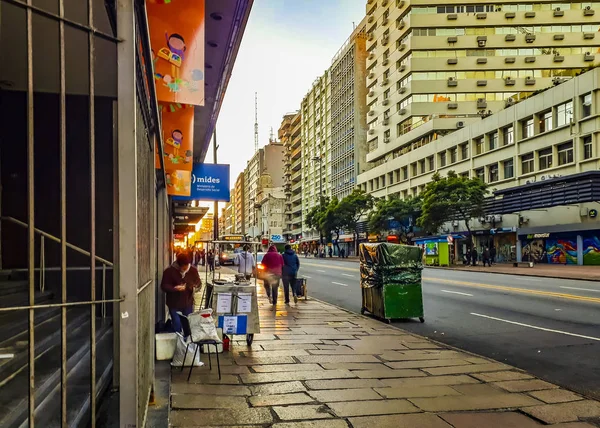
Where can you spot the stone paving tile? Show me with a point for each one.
(345, 384)
(344, 350)
(334, 395)
(355, 366)
(367, 408)
(318, 359)
(304, 375)
(574, 425)
(197, 418)
(553, 396)
(486, 402)
(473, 368)
(251, 361)
(501, 376)
(388, 374)
(192, 388)
(566, 412)
(490, 420)
(280, 399)
(477, 360)
(422, 345)
(277, 388)
(329, 423)
(274, 368)
(281, 345)
(426, 364)
(347, 338)
(417, 392)
(277, 353)
(197, 402)
(400, 421)
(234, 369)
(327, 347)
(524, 385)
(302, 413)
(416, 355)
(206, 378)
(429, 381)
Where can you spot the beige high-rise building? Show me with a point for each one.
(348, 113)
(316, 146)
(435, 69)
(230, 214)
(290, 136)
(240, 206)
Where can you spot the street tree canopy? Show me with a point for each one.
(324, 219)
(403, 211)
(352, 208)
(451, 198)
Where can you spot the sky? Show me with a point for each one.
(286, 46)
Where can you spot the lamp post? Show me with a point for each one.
(320, 160)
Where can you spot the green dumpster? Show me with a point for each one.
(390, 279)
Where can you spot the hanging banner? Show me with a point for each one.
(178, 136)
(177, 39)
(178, 183)
(210, 182)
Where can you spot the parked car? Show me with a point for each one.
(260, 268)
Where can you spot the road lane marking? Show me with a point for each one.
(321, 271)
(457, 292)
(339, 283)
(307, 277)
(536, 327)
(352, 269)
(516, 290)
(348, 275)
(531, 279)
(582, 289)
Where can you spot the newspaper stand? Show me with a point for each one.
(235, 306)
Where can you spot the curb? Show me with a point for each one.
(535, 275)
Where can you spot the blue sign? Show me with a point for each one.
(278, 239)
(210, 182)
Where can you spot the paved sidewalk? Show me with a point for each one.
(587, 273)
(315, 365)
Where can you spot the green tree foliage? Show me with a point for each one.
(394, 208)
(449, 198)
(351, 209)
(323, 218)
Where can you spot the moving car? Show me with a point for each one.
(260, 268)
(226, 258)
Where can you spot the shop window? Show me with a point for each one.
(545, 158)
(509, 168)
(564, 113)
(587, 147)
(527, 163)
(565, 153)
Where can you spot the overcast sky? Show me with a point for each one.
(286, 46)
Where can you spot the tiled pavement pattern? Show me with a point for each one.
(315, 365)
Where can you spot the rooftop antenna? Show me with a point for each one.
(271, 137)
(256, 122)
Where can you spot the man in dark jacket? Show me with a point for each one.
(291, 265)
(273, 263)
(179, 281)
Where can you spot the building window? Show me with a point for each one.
(414, 169)
(422, 166)
(546, 121)
(509, 135)
(404, 173)
(586, 102)
(545, 157)
(509, 168)
(453, 155)
(587, 147)
(527, 128)
(527, 163)
(493, 173)
(493, 140)
(480, 173)
(431, 160)
(386, 94)
(479, 145)
(564, 113)
(442, 159)
(464, 151)
(565, 153)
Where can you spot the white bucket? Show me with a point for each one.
(165, 346)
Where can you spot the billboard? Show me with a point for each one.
(210, 182)
(178, 182)
(178, 136)
(177, 41)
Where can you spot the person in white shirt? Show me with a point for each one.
(245, 262)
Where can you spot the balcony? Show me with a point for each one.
(296, 153)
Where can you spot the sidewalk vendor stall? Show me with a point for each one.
(390, 279)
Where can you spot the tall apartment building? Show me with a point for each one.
(239, 206)
(229, 214)
(290, 136)
(272, 211)
(316, 145)
(264, 169)
(435, 69)
(348, 113)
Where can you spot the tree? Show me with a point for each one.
(403, 211)
(449, 198)
(351, 209)
(324, 219)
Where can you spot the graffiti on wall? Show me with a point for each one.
(591, 250)
(534, 251)
(543, 249)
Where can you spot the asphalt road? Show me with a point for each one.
(548, 327)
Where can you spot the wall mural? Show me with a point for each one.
(561, 251)
(591, 250)
(534, 250)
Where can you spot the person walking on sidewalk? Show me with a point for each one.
(493, 255)
(210, 260)
(245, 262)
(273, 263)
(474, 255)
(178, 282)
(291, 265)
(486, 257)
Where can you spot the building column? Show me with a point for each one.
(126, 257)
(580, 250)
(519, 254)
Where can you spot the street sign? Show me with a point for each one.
(450, 239)
(277, 239)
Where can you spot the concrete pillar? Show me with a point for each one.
(580, 250)
(519, 254)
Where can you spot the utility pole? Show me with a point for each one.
(255, 122)
(216, 204)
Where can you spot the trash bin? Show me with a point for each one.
(390, 279)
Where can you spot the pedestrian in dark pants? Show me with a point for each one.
(493, 255)
(343, 252)
(291, 265)
(210, 259)
(474, 256)
(178, 282)
(330, 252)
(486, 257)
(273, 263)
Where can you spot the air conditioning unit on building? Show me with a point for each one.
(401, 24)
(386, 122)
(371, 113)
(371, 93)
(402, 89)
(385, 82)
(385, 62)
(402, 68)
(385, 102)
(386, 140)
(385, 21)
(385, 40)
(460, 124)
(371, 131)
(402, 111)
(371, 76)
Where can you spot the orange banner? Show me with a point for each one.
(179, 183)
(177, 40)
(178, 136)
